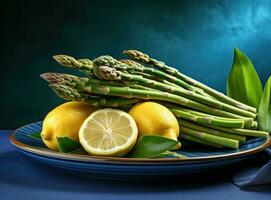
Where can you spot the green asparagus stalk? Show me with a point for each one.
(245, 132)
(151, 77)
(72, 94)
(84, 65)
(207, 119)
(73, 81)
(211, 138)
(104, 71)
(200, 141)
(248, 122)
(240, 138)
(139, 56)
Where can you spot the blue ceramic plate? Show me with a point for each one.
(198, 159)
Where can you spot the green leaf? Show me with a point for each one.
(243, 82)
(36, 136)
(78, 151)
(67, 144)
(150, 146)
(264, 117)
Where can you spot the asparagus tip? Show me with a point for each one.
(56, 57)
(66, 61)
(108, 73)
(138, 55)
(59, 58)
(52, 78)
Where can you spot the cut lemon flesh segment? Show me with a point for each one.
(108, 132)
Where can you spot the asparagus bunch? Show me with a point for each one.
(137, 55)
(206, 116)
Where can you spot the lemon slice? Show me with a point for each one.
(108, 132)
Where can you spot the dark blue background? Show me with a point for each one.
(196, 36)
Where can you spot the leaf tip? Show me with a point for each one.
(237, 51)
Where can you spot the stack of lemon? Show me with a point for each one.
(108, 132)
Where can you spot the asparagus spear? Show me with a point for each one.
(104, 71)
(151, 77)
(84, 65)
(128, 92)
(72, 94)
(207, 119)
(248, 122)
(240, 138)
(245, 132)
(139, 56)
(211, 138)
(71, 80)
(200, 141)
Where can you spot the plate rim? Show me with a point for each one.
(121, 160)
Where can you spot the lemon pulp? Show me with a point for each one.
(108, 132)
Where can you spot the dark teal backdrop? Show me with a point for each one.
(196, 36)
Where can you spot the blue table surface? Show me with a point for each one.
(24, 178)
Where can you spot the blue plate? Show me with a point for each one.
(198, 159)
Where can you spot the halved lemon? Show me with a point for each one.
(108, 132)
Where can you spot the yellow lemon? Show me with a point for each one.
(64, 121)
(154, 119)
(108, 132)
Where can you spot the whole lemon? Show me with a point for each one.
(64, 121)
(155, 119)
